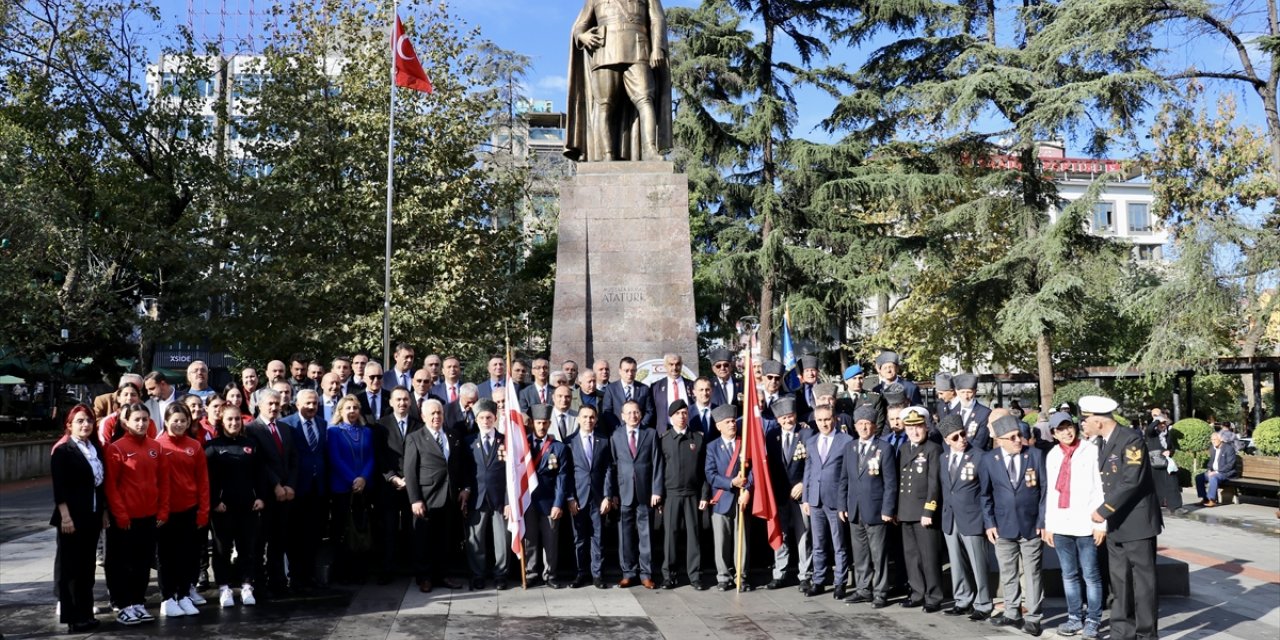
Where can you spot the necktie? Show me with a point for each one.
(1013, 471)
(404, 380)
(564, 429)
(422, 404)
(706, 421)
(312, 439)
(786, 441)
(276, 435)
(542, 395)
(453, 393)
(628, 390)
(488, 446)
(440, 441)
(589, 448)
(402, 429)
(862, 450)
(632, 436)
(373, 405)
(955, 464)
(825, 448)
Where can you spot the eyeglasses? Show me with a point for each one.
(1012, 436)
(373, 377)
(721, 365)
(772, 377)
(419, 380)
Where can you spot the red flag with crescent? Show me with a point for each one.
(409, 71)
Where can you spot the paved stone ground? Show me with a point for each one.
(1235, 584)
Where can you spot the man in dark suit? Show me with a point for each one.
(447, 388)
(825, 393)
(976, 415)
(944, 387)
(1133, 518)
(554, 467)
(626, 389)
(668, 389)
(857, 395)
(962, 524)
(396, 518)
(730, 494)
(435, 484)
(700, 410)
(460, 416)
(497, 378)
(593, 484)
(889, 366)
(1222, 465)
(869, 499)
(1013, 511)
(684, 465)
(823, 503)
(788, 454)
(420, 393)
(375, 401)
(540, 391)
(400, 375)
(348, 383)
(772, 371)
(919, 494)
(307, 510)
(639, 491)
(805, 394)
(589, 393)
(726, 387)
(486, 502)
(275, 441)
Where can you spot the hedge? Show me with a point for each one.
(1193, 442)
(1266, 437)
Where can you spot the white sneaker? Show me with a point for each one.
(195, 597)
(141, 612)
(171, 609)
(246, 595)
(188, 607)
(225, 597)
(127, 617)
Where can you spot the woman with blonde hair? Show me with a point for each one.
(350, 444)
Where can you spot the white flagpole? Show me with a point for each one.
(391, 148)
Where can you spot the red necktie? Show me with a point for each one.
(453, 393)
(276, 434)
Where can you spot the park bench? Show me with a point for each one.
(1258, 473)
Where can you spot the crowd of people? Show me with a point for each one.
(875, 491)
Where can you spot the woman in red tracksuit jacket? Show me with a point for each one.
(138, 499)
(188, 512)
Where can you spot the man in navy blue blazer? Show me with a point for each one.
(486, 507)
(823, 503)
(593, 484)
(638, 468)
(668, 389)
(962, 522)
(401, 373)
(700, 409)
(625, 389)
(976, 416)
(788, 455)
(889, 366)
(727, 386)
(1012, 477)
(869, 499)
(308, 509)
(548, 504)
(1221, 466)
(730, 493)
(497, 378)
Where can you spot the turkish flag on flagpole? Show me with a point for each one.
(763, 505)
(409, 71)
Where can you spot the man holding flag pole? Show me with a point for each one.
(522, 478)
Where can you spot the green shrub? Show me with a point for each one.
(1266, 437)
(1031, 417)
(1072, 391)
(1122, 421)
(1193, 440)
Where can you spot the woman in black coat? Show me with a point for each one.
(81, 504)
(1163, 441)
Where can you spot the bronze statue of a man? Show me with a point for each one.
(619, 83)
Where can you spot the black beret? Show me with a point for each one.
(676, 406)
(783, 407)
(965, 381)
(772, 368)
(950, 424)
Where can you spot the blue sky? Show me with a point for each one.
(539, 29)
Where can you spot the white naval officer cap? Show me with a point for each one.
(1097, 405)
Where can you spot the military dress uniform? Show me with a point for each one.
(919, 493)
(1132, 512)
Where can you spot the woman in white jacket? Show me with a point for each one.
(1074, 491)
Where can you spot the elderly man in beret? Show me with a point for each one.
(962, 523)
(771, 372)
(889, 366)
(806, 398)
(946, 390)
(726, 386)
(976, 415)
(684, 457)
(548, 504)
(1012, 477)
(788, 454)
(730, 493)
(1132, 513)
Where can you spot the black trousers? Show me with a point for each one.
(77, 562)
(237, 530)
(178, 550)
(1135, 610)
(395, 528)
(129, 555)
(921, 549)
(680, 515)
(309, 518)
(273, 539)
(433, 543)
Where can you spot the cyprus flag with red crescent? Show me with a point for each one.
(409, 71)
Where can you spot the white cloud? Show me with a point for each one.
(553, 83)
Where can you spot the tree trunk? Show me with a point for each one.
(1044, 369)
(768, 176)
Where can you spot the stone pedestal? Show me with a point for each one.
(624, 275)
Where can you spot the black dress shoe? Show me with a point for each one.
(856, 598)
(501, 584)
(814, 590)
(931, 608)
(600, 583)
(726, 586)
(879, 603)
(804, 585)
(746, 586)
(532, 581)
(1004, 621)
(477, 584)
(1031, 628)
(581, 581)
(700, 585)
(956, 611)
(669, 584)
(774, 584)
(910, 604)
(554, 583)
(979, 616)
(840, 592)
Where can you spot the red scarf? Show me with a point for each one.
(1064, 474)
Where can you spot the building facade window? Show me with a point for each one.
(1139, 217)
(1104, 217)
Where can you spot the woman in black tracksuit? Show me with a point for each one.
(237, 491)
